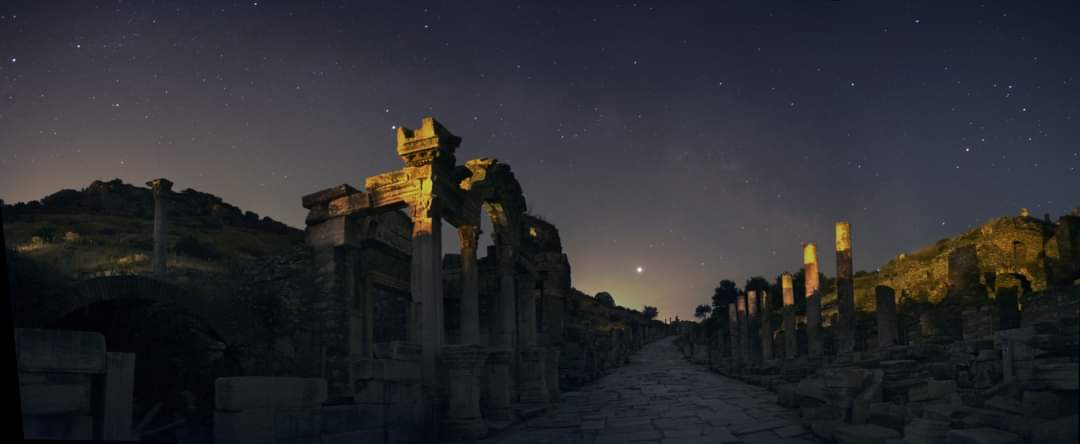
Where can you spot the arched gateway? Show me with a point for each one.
(346, 227)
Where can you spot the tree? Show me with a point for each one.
(757, 284)
(650, 312)
(725, 294)
(605, 299)
(702, 310)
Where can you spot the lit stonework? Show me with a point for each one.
(815, 348)
(845, 290)
(791, 346)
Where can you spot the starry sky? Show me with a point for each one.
(699, 141)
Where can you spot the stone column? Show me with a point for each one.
(744, 331)
(498, 407)
(733, 331)
(470, 285)
(463, 420)
(551, 374)
(526, 312)
(504, 303)
(532, 384)
(791, 345)
(752, 321)
(813, 302)
(845, 290)
(766, 328)
(885, 308)
(161, 189)
(427, 283)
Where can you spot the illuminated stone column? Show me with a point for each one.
(766, 328)
(161, 189)
(813, 302)
(885, 311)
(426, 280)
(752, 321)
(791, 345)
(744, 331)
(845, 290)
(470, 285)
(463, 420)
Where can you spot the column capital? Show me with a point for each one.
(160, 186)
(469, 236)
(423, 210)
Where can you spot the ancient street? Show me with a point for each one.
(661, 397)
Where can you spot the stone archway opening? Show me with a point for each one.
(178, 357)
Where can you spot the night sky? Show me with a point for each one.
(697, 140)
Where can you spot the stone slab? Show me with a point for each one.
(60, 351)
(259, 392)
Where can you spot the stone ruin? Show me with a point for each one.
(409, 344)
(986, 364)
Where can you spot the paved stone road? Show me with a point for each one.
(661, 397)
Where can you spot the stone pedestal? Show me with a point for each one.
(462, 420)
(532, 385)
(791, 345)
(886, 316)
(551, 375)
(815, 347)
(845, 290)
(498, 406)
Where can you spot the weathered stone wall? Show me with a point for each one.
(1019, 245)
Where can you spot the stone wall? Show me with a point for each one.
(70, 387)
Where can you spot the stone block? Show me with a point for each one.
(119, 397)
(981, 436)
(931, 390)
(1062, 376)
(266, 425)
(926, 431)
(398, 350)
(351, 417)
(864, 434)
(60, 351)
(369, 436)
(58, 427)
(259, 392)
(371, 392)
(887, 414)
(64, 395)
(1060, 431)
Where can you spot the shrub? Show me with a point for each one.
(192, 247)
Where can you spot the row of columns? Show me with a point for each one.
(745, 316)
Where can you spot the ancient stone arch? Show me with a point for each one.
(432, 188)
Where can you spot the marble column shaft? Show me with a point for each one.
(160, 189)
(744, 330)
(427, 284)
(815, 348)
(791, 344)
(470, 285)
(766, 327)
(845, 290)
(733, 331)
(505, 322)
(885, 312)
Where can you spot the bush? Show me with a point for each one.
(192, 247)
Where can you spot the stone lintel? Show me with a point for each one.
(325, 196)
(60, 351)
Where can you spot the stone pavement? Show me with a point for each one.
(661, 398)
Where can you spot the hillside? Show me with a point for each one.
(106, 229)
